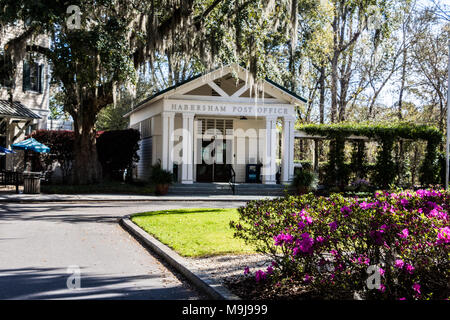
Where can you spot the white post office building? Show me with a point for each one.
(212, 124)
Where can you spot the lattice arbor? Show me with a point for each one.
(402, 154)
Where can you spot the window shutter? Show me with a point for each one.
(41, 78)
(26, 81)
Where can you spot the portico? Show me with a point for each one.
(212, 125)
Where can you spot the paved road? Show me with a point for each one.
(40, 241)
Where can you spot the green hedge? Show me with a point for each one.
(386, 135)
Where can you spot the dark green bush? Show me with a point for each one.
(385, 169)
(117, 150)
(160, 176)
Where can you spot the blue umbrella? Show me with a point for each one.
(5, 151)
(31, 145)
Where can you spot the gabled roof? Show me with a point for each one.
(222, 71)
(16, 110)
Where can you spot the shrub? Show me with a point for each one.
(386, 135)
(61, 149)
(330, 244)
(117, 150)
(160, 176)
(305, 179)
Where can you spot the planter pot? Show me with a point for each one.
(162, 189)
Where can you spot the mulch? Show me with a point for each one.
(248, 289)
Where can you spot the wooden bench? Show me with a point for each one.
(11, 178)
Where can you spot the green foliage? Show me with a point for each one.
(386, 135)
(337, 170)
(429, 171)
(385, 169)
(61, 149)
(325, 245)
(305, 178)
(117, 150)
(358, 163)
(112, 117)
(160, 176)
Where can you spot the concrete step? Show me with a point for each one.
(225, 189)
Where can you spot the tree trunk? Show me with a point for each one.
(86, 168)
(322, 95)
(334, 80)
(402, 86)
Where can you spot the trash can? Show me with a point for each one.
(31, 182)
(253, 173)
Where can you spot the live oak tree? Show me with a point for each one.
(115, 38)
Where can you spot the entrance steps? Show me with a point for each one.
(248, 189)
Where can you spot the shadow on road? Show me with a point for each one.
(50, 283)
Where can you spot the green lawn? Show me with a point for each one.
(194, 232)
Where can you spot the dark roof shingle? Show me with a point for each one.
(17, 110)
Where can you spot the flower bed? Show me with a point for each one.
(390, 246)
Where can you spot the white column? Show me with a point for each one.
(167, 140)
(270, 168)
(287, 154)
(187, 171)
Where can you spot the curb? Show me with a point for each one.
(211, 288)
(185, 199)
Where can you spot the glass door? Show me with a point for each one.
(216, 150)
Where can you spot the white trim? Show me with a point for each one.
(229, 99)
(234, 68)
(218, 89)
(241, 91)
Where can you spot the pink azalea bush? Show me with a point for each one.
(329, 243)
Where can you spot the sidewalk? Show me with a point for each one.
(6, 197)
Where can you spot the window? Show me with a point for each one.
(146, 126)
(6, 69)
(29, 130)
(33, 76)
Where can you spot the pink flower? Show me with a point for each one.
(308, 219)
(444, 235)
(410, 269)
(399, 263)
(403, 298)
(333, 225)
(246, 270)
(346, 209)
(404, 202)
(260, 275)
(269, 270)
(307, 278)
(416, 287)
(382, 288)
(381, 270)
(363, 260)
(433, 213)
(404, 234)
(283, 238)
(364, 205)
(304, 245)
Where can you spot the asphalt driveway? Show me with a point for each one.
(47, 249)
